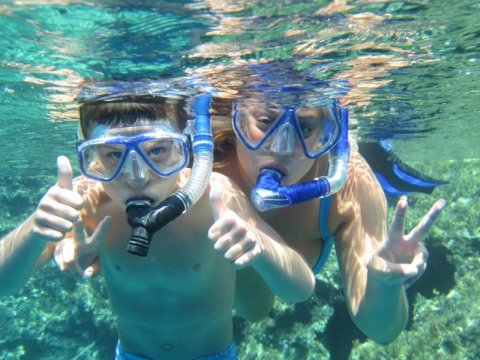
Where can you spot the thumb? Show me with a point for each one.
(65, 173)
(216, 201)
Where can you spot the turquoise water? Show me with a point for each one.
(412, 69)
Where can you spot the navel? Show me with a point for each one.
(197, 267)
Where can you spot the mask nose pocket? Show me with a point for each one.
(282, 141)
(135, 169)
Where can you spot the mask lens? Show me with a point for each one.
(318, 133)
(102, 161)
(254, 124)
(164, 155)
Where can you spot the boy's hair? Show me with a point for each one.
(130, 110)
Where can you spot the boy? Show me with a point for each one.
(176, 303)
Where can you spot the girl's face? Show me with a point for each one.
(251, 162)
(283, 151)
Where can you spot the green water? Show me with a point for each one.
(414, 75)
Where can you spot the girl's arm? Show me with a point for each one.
(246, 240)
(375, 265)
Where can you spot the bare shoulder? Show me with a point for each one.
(361, 184)
(362, 194)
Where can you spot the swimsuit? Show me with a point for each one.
(328, 239)
(230, 353)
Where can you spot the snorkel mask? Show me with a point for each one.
(159, 149)
(283, 133)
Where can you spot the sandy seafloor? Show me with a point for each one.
(58, 316)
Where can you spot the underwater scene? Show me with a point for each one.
(408, 71)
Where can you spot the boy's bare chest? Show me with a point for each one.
(170, 251)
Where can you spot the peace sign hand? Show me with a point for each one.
(403, 258)
(80, 253)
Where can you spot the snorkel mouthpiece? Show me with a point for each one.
(269, 194)
(145, 220)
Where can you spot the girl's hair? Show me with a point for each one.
(130, 110)
(223, 134)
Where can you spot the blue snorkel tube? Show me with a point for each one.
(268, 192)
(144, 219)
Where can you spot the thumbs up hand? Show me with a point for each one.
(231, 235)
(59, 208)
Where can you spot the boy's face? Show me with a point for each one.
(135, 161)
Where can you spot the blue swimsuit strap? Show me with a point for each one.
(327, 238)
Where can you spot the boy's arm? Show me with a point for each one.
(246, 240)
(21, 253)
(375, 265)
(31, 245)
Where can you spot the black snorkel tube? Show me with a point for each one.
(144, 219)
(268, 192)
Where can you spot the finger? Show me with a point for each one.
(44, 222)
(420, 259)
(65, 256)
(101, 231)
(246, 259)
(222, 226)
(58, 258)
(398, 223)
(238, 249)
(92, 270)
(69, 198)
(49, 207)
(79, 232)
(65, 173)
(423, 228)
(421, 266)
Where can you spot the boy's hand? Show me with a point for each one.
(81, 253)
(60, 207)
(231, 235)
(403, 258)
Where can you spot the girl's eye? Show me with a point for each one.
(264, 122)
(306, 129)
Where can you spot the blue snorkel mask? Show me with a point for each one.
(280, 130)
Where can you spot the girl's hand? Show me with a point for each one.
(231, 235)
(403, 258)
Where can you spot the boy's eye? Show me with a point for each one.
(110, 153)
(158, 150)
(114, 155)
